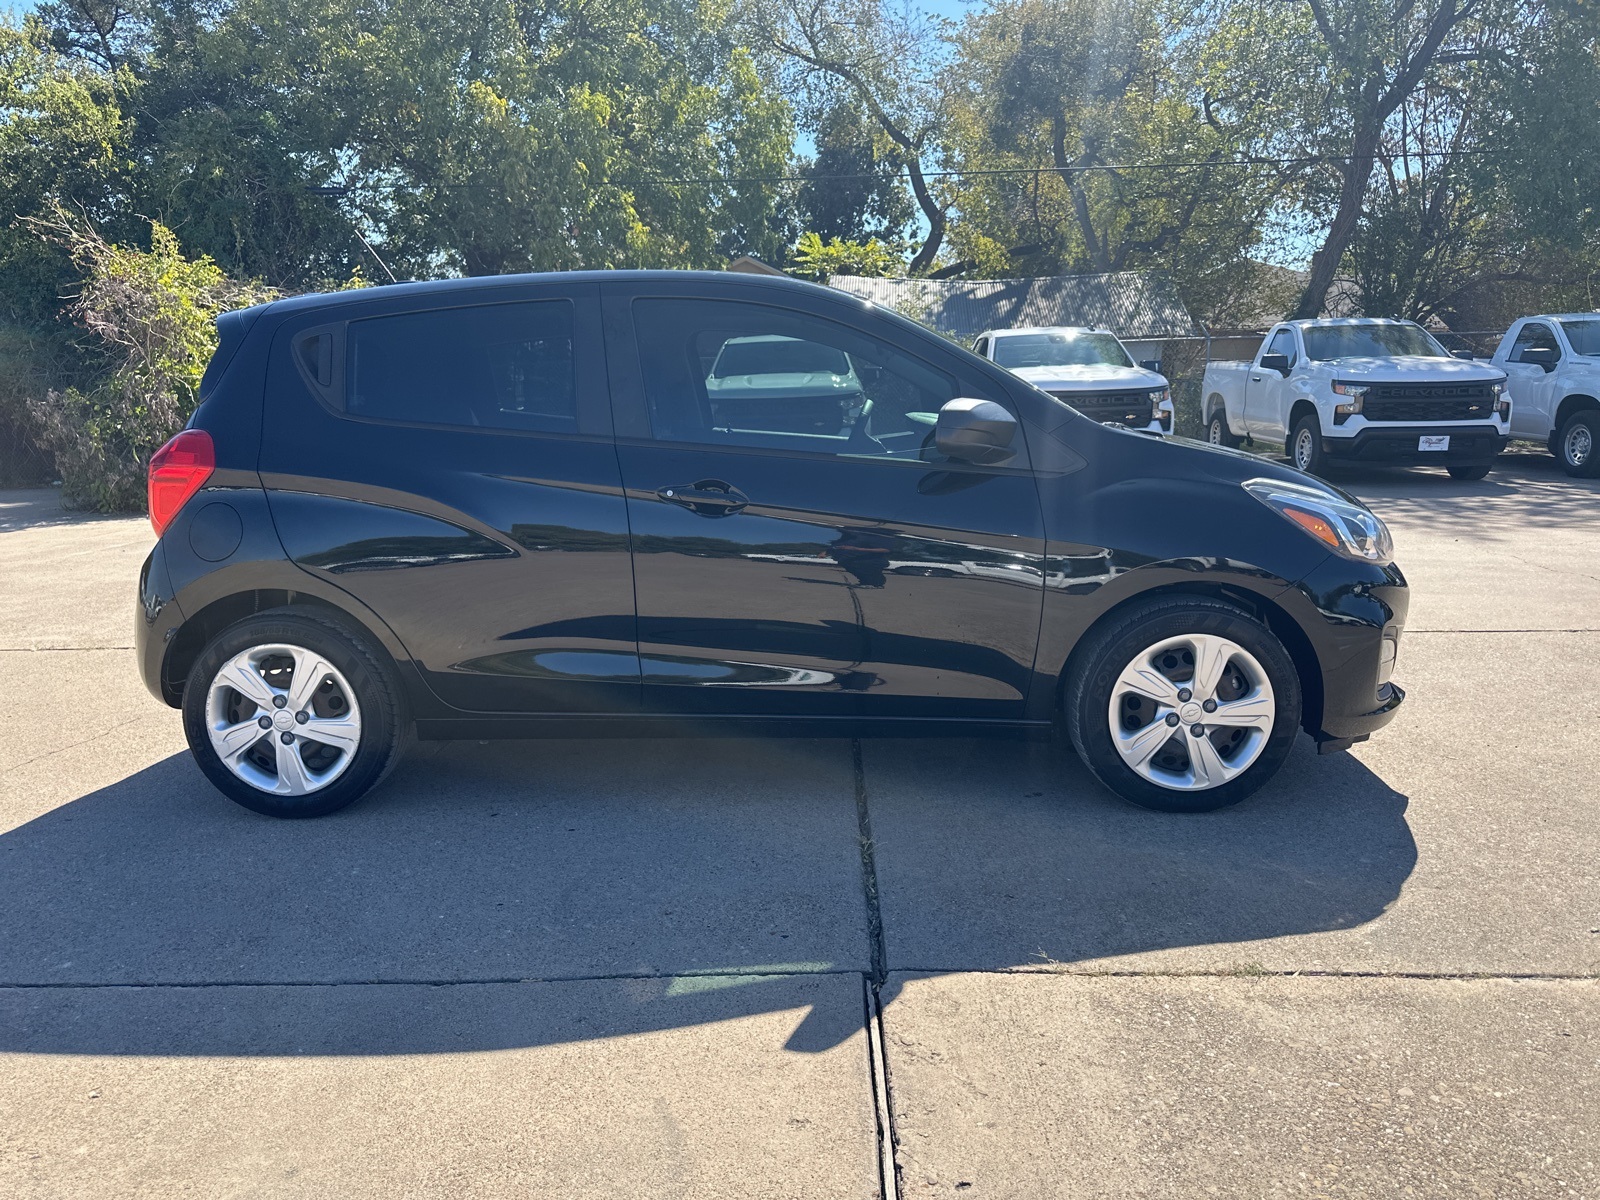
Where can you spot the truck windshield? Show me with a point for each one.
(778, 356)
(1324, 342)
(1584, 336)
(1060, 350)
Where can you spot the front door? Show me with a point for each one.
(1265, 406)
(1531, 386)
(798, 547)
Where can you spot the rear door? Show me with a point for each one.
(789, 565)
(446, 457)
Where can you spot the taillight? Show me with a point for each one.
(177, 471)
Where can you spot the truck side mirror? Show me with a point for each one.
(1275, 362)
(1151, 364)
(1541, 356)
(975, 431)
(1468, 355)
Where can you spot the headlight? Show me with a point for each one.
(1502, 400)
(1356, 392)
(1158, 397)
(1344, 528)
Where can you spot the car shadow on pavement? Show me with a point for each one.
(699, 880)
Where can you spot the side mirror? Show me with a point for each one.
(1468, 355)
(1275, 362)
(1541, 356)
(975, 431)
(1151, 364)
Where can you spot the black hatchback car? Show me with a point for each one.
(537, 506)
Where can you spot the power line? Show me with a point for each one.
(1304, 160)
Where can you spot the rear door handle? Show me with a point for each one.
(706, 497)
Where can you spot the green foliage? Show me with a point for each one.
(853, 189)
(153, 311)
(815, 259)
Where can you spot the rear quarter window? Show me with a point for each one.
(500, 366)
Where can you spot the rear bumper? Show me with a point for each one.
(1473, 444)
(155, 622)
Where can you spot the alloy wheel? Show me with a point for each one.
(283, 719)
(1192, 712)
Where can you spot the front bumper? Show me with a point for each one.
(1353, 616)
(1472, 444)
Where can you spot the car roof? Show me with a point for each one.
(1578, 316)
(1334, 322)
(475, 283)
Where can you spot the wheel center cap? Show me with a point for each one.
(1190, 713)
(283, 720)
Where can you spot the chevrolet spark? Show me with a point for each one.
(550, 506)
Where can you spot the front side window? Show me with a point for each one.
(1283, 343)
(719, 373)
(1534, 336)
(1060, 348)
(1584, 334)
(498, 366)
(1325, 343)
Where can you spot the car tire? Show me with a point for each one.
(1150, 641)
(1305, 446)
(325, 746)
(1468, 471)
(1218, 433)
(1578, 444)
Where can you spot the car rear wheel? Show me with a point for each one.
(292, 716)
(1185, 705)
(1466, 471)
(1218, 433)
(1576, 444)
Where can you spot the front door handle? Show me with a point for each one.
(706, 497)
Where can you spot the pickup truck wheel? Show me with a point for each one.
(1305, 446)
(1465, 471)
(1577, 443)
(1218, 433)
(1186, 704)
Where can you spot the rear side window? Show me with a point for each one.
(499, 366)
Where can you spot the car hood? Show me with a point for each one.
(821, 381)
(1089, 379)
(1411, 370)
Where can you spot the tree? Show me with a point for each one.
(853, 188)
(153, 311)
(64, 139)
(887, 58)
(1341, 71)
(815, 259)
(1067, 110)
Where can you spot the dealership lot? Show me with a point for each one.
(637, 969)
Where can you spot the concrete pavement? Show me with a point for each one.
(537, 969)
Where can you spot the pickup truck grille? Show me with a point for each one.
(1428, 402)
(1130, 408)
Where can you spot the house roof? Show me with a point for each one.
(1133, 304)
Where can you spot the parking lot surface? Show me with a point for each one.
(639, 968)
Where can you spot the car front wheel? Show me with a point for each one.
(1576, 444)
(291, 716)
(1305, 446)
(1186, 704)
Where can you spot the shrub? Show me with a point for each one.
(154, 314)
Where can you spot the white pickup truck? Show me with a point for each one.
(1553, 366)
(1367, 389)
(1087, 369)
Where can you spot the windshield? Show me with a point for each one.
(778, 356)
(1584, 336)
(1324, 342)
(1060, 350)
